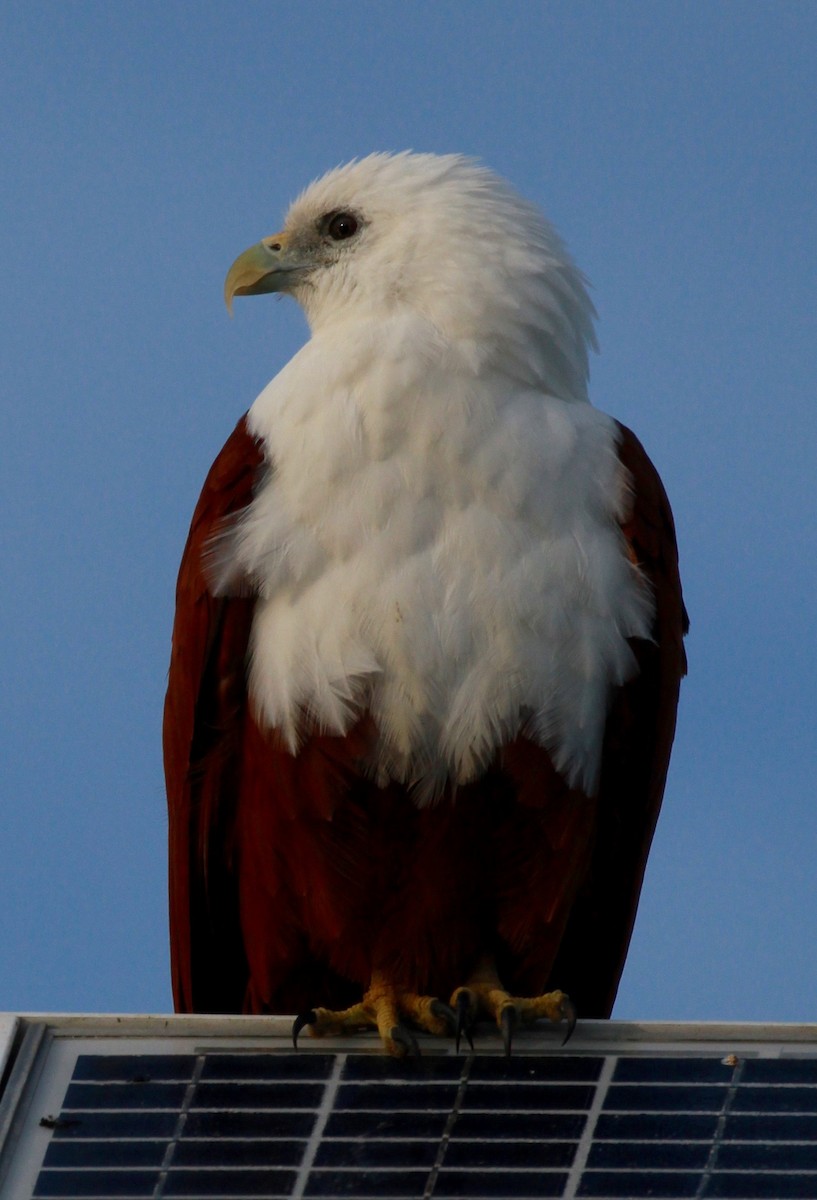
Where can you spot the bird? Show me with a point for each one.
(429, 635)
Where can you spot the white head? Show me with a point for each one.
(442, 238)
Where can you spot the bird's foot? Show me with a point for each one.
(392, 1012)
(484, 996)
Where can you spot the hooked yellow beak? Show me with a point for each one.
(268, 266)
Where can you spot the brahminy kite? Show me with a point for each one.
(428, 638)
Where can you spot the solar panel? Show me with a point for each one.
(226, 1118)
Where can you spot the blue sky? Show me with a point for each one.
(146, 144)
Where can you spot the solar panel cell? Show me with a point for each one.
(500, 1126)
(247, 1152)
(647, 1156)
(116, 1125)
(786, 1099)
(115, 1153)
(645, 1126)
(530, 1069)
(366, 1068)
(467, 1185)
(258, 1095)
(514, 1155)
(110, 1184)
(129, 1069)
(367, 1185)
(759, 1157)
(771, 1128)
(632, 1185)
(387, 1124)
(669, 1098)
(672, 1070)
(232, 1184)
(125, 1095)
(265, 1123)
(528, 1098)
(780, 1070)
(383, 1097)
(371, 1152)
(276, 1067)
(747, 1186)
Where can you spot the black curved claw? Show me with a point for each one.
(571, 1016)
(507, 1024)
(301, 1022)
(405, 1038)
(462, 1023)
(444, 1012)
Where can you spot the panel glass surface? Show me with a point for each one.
(304, 1126)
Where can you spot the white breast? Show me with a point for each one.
(440, 548)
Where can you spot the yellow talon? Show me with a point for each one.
(382, 1008)
(484, 995)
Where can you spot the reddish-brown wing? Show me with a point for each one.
(203, 728)
(329, 860)
(638, 741)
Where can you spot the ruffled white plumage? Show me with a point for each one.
(437, 542)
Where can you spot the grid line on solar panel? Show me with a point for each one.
(170, 1149)
(570, 1126)
(737, 1068)
(444, 1144)
(585, 1142)
(311, 1148)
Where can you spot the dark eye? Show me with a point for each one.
(341, 226)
